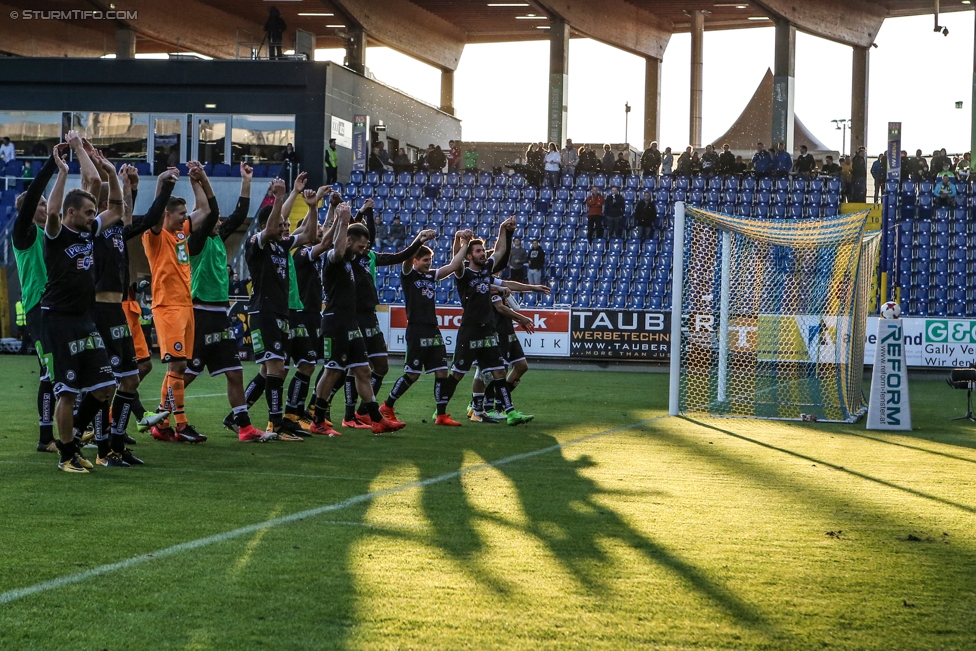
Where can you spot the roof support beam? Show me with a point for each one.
(851, 22)
(614, 22)
(408, 28)
(196, 27)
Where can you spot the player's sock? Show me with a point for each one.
(375, 381)
(137, 407)
(297, 392)
(274, 386)
(86, 412)
(501, 389)
(100, 424)
(121, 411)
(335, 389)
(440, 397)
(399, 388)
(67, 450)
(478, 402)
(373, 409)
(352, 394)
(321, 411)
(177, 397)
(45, 411)
(254, 390)
(240, 416)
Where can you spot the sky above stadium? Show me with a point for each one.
(500, 90)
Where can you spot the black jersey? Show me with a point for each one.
(267, 263)
(339, 282)
(111, 259)
(366, 297)
(309, 275)
(70, 271)
(474, 287)
(418, 292)
(504, 325)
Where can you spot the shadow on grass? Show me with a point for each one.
(853, 473)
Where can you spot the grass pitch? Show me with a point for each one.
(601, 525)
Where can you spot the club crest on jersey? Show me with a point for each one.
(178, 347)
(180, 235)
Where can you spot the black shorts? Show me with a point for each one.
(313, 323)
(477, 345)
(425, 349)
(511, 347)
(35, 330)
(269, 335)
(75, 352)
(343, 343)
(114, 328)
(214, 343)
(301, 340)
(375, 341)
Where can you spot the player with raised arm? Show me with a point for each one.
(508, 341)
(111, 253)
(425, 344)
(306, 281)
(267, 255)
(343, 340)
(169, 260)
(214, 342)
(73, 348)
(28, 244)
(364, 266)
(477, 341)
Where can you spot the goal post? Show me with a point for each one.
(768, 315)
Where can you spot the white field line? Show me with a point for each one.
(45, 586)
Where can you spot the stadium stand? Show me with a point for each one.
(620, 273)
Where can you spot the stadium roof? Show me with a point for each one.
(431, 30)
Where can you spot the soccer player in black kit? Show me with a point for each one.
(425, 345)
(366, 302)
(111, 253)
(343, 340)
(77, 353)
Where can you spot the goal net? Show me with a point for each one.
(769, 315)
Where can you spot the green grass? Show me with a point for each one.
(674, 534)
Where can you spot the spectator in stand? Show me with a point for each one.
(963, 167)
(859, 177)
(608, 159)
(7, 151)
(667, 162)
(945, 192)
(384, 154)
(374, 164)
(830, 168)
(879, 170)
(613, 212)
(726, 161)
(805, 165)
(847, 178)
(537, 263)
(650, 160)
(535, 157)
(401, 162)
(570, 158)
(237, 287)
(696, 164)
(782, 161)
(740, 166)
(594, 214)
(683, 167)
(552, 162)
(621, 165)
(382, 232)
(516, 262)
(709, 161)
(436, 160)
(331, 163)
(397, 235)
(940, 162)
(471, 155)
(645, 214)
(454, 156)
(275, 28)
(588, 160)
(920, 166)
(762, 162)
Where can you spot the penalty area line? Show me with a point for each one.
(45, 586)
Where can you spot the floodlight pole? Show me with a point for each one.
(677, 282)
